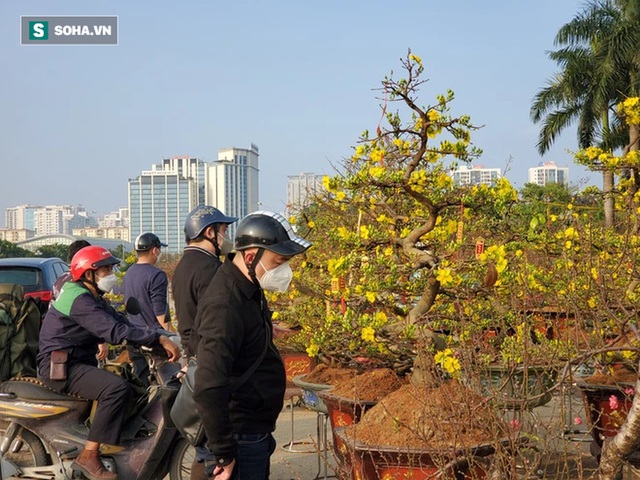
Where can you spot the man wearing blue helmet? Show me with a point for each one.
(240, 379)
(205, 233)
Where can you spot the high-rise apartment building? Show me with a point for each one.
(475, 175)
(301, 188)
(21, 217)
(115, 219)
(549, 172)
(161, 198)
(48, 220)
(233, 183)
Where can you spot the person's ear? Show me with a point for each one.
(249, 256)
(210, 232)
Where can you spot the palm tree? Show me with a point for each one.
(597, 64)
(601, 67)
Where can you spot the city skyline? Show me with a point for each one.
(77, 120)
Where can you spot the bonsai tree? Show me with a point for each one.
(395, 236)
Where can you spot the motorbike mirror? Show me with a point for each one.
(133, 306)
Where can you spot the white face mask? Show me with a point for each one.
(158, 255)
(224, 244)
(107, 283)
(277, 279)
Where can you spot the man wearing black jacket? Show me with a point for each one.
(205, 233)
(234, 335)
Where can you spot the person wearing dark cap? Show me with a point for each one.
(205, 232)
(240, 379)
(148, 284)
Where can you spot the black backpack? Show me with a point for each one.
(19, 332)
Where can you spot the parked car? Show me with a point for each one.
(36, 275)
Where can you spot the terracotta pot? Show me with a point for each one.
(309, 394)
(342, 412)
(295, 364)
(365, 462)
(603, 419)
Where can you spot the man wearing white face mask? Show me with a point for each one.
(205, 232)
(148, 284)
(234, 341)
(79, 320)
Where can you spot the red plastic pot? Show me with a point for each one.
(365, 462)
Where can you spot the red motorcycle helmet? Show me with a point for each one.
(90, 258)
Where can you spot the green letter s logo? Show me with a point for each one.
(38, 30)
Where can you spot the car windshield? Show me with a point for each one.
(29, 278)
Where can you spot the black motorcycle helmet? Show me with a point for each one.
(146, 241)
(270, 231)
(201, 217)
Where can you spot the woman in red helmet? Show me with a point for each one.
(78, 321)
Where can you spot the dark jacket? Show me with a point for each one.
(232, 324)
(193, 275)
(78, 322)
(148, 284)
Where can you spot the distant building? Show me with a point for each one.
(161, 198)
(54, 219)
(233, 181)
(115, 219)
(20, 217)
(475, 175)
(16, 235)
(33, 244)
(549, 172)
(116, 233)
(300, 189)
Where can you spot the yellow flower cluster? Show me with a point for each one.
(449, 363)
(497, 254)
(443, 275)
(368, 334)
(630, 109)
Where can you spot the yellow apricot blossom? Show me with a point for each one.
(443, 275)
(313, 350)
(368, 334)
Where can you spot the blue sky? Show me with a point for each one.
(295, 78)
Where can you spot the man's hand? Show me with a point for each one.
(223, 473)
(173, 350)
(103, 350)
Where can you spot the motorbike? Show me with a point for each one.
(47, 431)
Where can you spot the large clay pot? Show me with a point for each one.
(296, 364)
(309, 394)
(606, 407)
(367, 462)
(342, 412)
(518, 387)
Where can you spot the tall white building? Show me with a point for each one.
(300, 189)
(21, 217)
(548, 172)
(233, 181)
(115, 219)
(61, 219)
(161, 198)
(475, 175)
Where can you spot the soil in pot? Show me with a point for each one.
(618, 375)
(450, 415)
(324, 375)
(370, 386)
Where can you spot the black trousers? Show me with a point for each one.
(111, 392)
